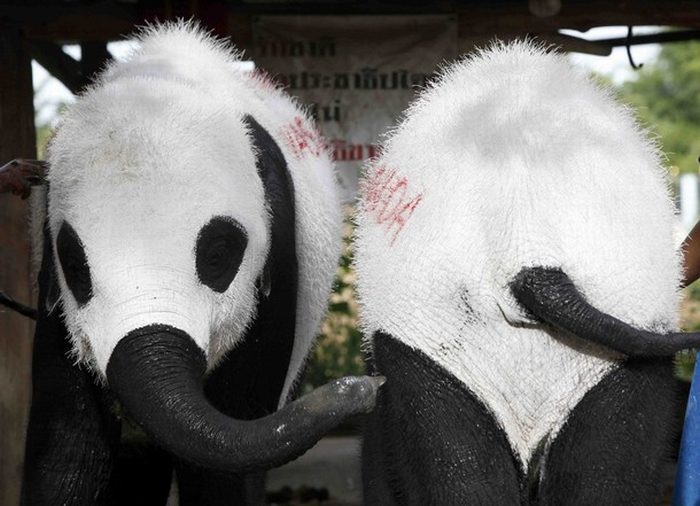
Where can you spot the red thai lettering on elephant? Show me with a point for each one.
(303, 139)
(389, 199)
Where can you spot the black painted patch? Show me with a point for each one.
(614, 445)
(610, 451)
(248, 382)
(71, 255)
(430, 441)
(72, 435)
(469, 316)
(253, 374)
(221, 244)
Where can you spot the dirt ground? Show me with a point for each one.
(330, 470)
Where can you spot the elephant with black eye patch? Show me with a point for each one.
(519, 286)
(188, 239)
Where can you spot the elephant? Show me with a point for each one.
(519, 286)
(186, 239)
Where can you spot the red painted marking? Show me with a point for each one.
(303, 139)
(388, 199)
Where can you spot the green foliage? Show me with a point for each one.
(685, 364)
(667, 98)
(43, 134)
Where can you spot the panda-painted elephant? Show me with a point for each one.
(191, 236)
(519, 286)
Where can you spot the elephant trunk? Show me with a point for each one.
(158, 374)
(552, 297)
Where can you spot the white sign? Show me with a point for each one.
(357, 74)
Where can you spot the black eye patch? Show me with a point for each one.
(71, 255)
(219, 252)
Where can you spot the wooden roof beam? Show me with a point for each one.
(485, 20)
(74, 74)
(573, 44)
(110, 19)
(652, 38)
(94, 56)
(60, 65)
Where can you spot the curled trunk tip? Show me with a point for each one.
(552, 297)
(158, 374)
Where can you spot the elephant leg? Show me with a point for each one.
(142, 476)
(430, 441)
(613, 446)
(375, 465)
(72, 434)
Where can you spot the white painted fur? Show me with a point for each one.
(521, 161)
(144, 159)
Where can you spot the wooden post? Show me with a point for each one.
(17, 139)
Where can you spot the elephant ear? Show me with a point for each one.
(253, 374)
(72, 435)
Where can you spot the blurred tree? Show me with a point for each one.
(667, 98)
(43, 134)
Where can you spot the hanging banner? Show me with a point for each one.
(357, 74)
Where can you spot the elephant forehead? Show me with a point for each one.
(132, 221)
(170, 136)
(145, 178)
